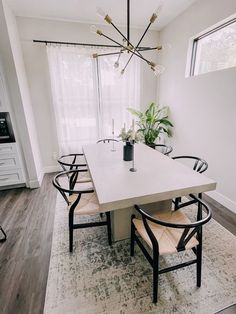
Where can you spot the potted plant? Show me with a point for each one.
(127, 138)
(153, 122)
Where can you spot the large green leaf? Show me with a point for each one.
(153, 122)
(166, 122)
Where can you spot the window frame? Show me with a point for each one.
(196, 39)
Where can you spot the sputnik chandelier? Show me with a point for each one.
(126, 45)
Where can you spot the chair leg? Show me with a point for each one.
(199, 265)
(177, 201)
(199, 258)
(71, 230)
(108, 214)
(155, 275)
(4, 234)
(199, 247)
(132, 237)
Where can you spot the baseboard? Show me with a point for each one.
(223, 200)
(33, 184)
(14, 186)
(50, 169)
(41, 175)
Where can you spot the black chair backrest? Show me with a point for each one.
(65, 182)
(107, 140)
(164, 149)
(200, 165)
(186, 235)
(72, 161)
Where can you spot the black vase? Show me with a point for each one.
(128, 152)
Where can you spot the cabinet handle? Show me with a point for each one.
(3, 179)
(2, 163)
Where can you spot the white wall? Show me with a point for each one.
(38, 76)
(17, 86)
(203, 108)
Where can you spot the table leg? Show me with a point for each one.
(121, 218)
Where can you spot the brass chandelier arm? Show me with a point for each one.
(130, 50)
(95, 55)
(127, 40)
(117, 29)
(135, 49)
(149, 48)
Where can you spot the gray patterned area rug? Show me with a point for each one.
(97, 278)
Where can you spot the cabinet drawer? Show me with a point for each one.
(9, 161)
(8, 148)
(11, 177)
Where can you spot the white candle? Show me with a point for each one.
(133, 131)
(113, 124)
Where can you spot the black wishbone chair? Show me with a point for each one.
(162, 148)
(107, 140)
(81, 200)
(169, 232)
(198, 165)
(74, 162)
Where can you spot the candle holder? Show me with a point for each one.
(113, 142)
(133, 169)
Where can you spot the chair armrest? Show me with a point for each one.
(69, 191)
(173, 225)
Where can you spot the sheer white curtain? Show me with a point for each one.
(73, 82)
(87, 94)
(118, 92)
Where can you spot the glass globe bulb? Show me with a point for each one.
(116, 65)
(156, 13)
(158, 69)
(166, 46)
(101, 13)
(93, 29)
(159, 8)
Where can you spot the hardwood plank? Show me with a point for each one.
(27, 217)
(222, 214)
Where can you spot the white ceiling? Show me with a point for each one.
(85, 11)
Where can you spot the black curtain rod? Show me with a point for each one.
(70, 43)
(76, 44)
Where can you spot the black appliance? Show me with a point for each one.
(6, 130)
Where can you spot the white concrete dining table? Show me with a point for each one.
(157, 181)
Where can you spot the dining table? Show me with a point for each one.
(158, 180)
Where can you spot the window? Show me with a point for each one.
(215, 49)
(88, 93)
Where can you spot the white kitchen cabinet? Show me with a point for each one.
(8, 148)
(10, 165)
(11, 168)
(11, 177)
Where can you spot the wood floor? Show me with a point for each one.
(27, 217)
